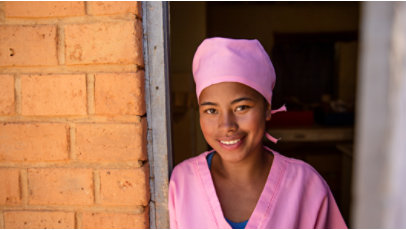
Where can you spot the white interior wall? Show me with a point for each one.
(380, 163)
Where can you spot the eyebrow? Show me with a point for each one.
(233, 102)
(242, 99)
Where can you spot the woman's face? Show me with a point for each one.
(232, 118)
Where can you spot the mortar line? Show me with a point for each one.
(17, 94)
(136, 209)
(78, 220)
(75, 20)
(90, 83)
(83, 119)
(61, 44)
(24, 186)
(2, 224)
(73, 164)
(87, 8)
(68, 69)
(2, 12)
(138, 15)
(97, 186)
(72, 141)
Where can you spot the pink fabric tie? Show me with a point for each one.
(267, 135)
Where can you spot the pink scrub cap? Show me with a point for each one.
(235, 60)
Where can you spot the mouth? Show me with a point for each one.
(231, 144)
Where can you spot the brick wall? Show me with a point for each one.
(72, 124)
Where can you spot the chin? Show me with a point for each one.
(232, 156)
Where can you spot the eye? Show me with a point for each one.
(210, 111)
(242, 107)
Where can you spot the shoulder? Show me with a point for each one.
(302, 174)
(187, 177)
(188, 168)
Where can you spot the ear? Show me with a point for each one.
(268, 113)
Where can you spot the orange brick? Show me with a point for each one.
(53, 95)
(111, 142)
(43, 9)
(22, 45)
(6, 94)
(120, 93)
(107, 8)
(33, 142)
(9, 187)
(114, 220)
(124, 186)
(60, 186)
(38, 219)
(104, 43)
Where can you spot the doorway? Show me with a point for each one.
(313, 46)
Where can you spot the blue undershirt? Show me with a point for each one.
(234, 225)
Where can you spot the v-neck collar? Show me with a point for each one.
(265, 203)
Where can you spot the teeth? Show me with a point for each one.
(230, 142)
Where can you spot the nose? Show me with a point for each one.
(228, 122)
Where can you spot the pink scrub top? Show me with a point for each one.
(294, 196)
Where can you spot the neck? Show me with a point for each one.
(255, 166)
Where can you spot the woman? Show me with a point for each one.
(241, 183)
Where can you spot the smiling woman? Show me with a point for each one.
(232, 119)
(234, 82)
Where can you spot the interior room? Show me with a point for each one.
(314, 49)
